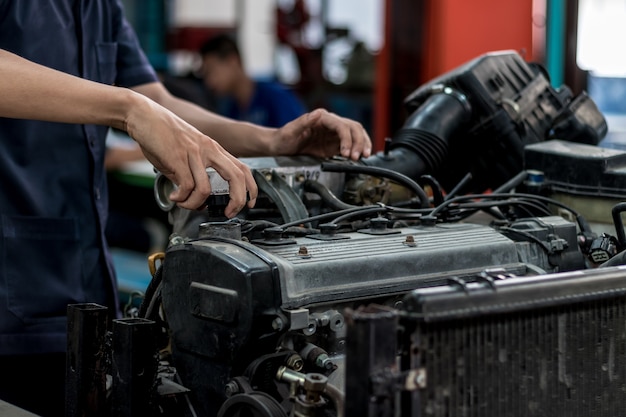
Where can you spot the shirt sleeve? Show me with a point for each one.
(285, 107)
(133, 67)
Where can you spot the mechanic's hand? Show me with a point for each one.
(323, 134)
(182, 154)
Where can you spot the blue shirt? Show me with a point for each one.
(272, 105)
(53, 193)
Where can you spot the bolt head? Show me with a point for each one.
(278, 324)
(315, 382)
(231, 389)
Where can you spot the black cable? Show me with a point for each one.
(435, 187)
(616, 212)
(370, 210)
(506, 187)
(326, 195)
(322, 216)
(300, 231)
(382, 172)
(491, 208)
(249, 226)
(459, 186)
(527, 235)
(153, 294)
(356, 211)
(581, 221)
(495, 213)
(512, 183)
(520, 203)
(518, 199)
(494, 196)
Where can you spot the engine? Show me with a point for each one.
(257, 308)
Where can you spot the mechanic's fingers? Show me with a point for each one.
(354, 141)
(361, 143)
(345, 138)
(193, 185)
(253, 191)
(237, 193)
(301, 127)
(239, 180)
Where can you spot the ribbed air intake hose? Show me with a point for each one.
(421, 146)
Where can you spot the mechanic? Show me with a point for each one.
(62, 66)
(266, 103)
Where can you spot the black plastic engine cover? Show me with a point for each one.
(216, 300)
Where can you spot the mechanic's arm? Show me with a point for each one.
(318, 133)
(116, 157)
(178, 150)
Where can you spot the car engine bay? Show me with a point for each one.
(451, 274)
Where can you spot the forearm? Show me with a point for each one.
(32, 91)
(239, 138)
(175, 148)
(318, 133)
(115, 158)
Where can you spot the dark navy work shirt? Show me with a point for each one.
(53, 194)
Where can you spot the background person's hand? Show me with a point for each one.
(182, 154)
(323, 134)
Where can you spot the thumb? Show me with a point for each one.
(303, 124)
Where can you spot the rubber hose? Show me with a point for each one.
(381, 172)
(327, 196)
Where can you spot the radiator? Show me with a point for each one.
(552, 345)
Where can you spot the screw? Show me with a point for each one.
(303, 252)
(410, 241)
(295, 362)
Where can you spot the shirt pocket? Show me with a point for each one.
(106, 56)
(42, 266)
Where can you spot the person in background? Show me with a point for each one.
(69, 70)
(266, 103)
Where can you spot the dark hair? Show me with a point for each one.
(222, 45)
